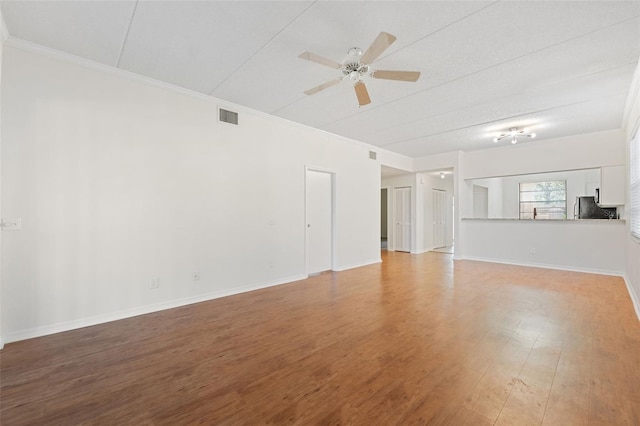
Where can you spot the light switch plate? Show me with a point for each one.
(12, 224)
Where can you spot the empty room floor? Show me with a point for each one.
(418, 339)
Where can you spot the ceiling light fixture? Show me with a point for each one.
(441, 175)
(514, 133)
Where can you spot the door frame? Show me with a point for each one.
(389, 216)
(333, 217)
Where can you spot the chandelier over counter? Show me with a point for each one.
(514, 134)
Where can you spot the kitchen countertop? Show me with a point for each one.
(548, 220)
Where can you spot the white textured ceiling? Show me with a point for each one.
(559, 67)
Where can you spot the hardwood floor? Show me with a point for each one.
(414, 340)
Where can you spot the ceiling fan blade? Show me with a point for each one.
(320, 60)
(362, 94)
(379, 45)
(396, 75)
(322, 86)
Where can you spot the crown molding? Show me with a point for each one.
(4, 32)
(98, 66)
(111, 70)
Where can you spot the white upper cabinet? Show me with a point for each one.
(612, 186)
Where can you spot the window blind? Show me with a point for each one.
(634, 166)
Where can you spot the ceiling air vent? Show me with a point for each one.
(228, 116)
(373, 155)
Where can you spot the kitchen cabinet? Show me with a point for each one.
(612, 186)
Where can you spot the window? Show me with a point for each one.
(543, 200)
(634, 168)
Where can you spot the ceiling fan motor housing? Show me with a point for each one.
(355, 70)
(352, 67)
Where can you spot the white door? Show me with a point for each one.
(319, 212)
(439, 218)
(402, 219)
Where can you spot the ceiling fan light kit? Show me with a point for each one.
(514, 134)
(357, 66)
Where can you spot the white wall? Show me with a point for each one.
(510, 241)
(118, 181)
(590, 246)
(631, 126)
(584, 151)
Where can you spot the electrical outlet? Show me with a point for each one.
(196, 276)
(155, 283)
(532, 250)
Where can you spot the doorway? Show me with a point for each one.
(319, 224)
(384, 217)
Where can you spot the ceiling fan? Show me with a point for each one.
(357, 65)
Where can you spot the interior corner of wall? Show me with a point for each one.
(629, 118)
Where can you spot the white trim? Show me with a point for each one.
(545, 266)
(98, 66)
(421, 251)
(389, 216)
(358, 265)
(4, 35)
(108, 69)
(635, 298)
(100, 319)
(126, 34)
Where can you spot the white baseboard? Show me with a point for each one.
(635, 298)
(100, 319)
(1, 343)
(358, 265)
(421, 251)
(545, 266)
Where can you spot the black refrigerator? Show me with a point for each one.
(587, 208)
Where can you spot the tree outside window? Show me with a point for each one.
(543, 200)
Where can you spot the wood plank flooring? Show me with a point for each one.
(417, 339)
